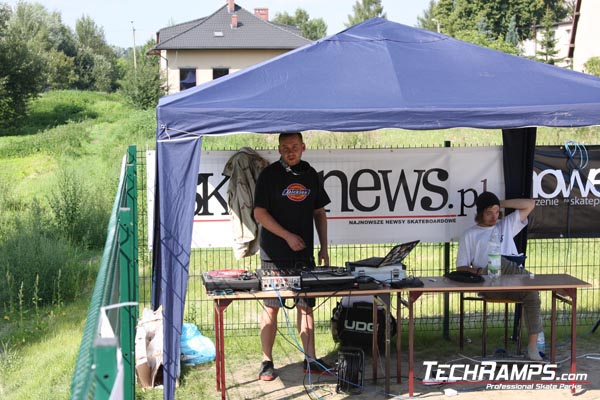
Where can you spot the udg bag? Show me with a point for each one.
(353, 325)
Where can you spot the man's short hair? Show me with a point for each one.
(282, 135)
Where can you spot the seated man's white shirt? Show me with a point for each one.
(473, 245)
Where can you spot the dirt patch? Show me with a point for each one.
(292, 383)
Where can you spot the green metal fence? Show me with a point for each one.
(577, 257)
(114, 306)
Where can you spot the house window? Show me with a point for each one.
(219, 72)
(187, 78)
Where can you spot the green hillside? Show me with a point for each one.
(58, 177)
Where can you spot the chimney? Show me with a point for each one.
(234, 21)
(262, 13)
(231, 5)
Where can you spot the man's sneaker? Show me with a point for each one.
(318, 367)
(533, 354)
(267, 371)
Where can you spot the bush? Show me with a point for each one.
(78, 216)
(592, 66)
(39, 264)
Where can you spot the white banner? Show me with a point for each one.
(377, 195)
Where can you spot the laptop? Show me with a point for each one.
(394, 256)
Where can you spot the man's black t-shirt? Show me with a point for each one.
(291, 198)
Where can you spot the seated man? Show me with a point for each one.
(473, 255)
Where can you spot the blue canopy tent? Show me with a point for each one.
(377, 74)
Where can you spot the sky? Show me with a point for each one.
(118, 18)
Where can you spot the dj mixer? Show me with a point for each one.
(325, 278)
(279, 280)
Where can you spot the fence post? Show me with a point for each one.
(132, 197)
(446, 321)
(128, 280)
(105, 366)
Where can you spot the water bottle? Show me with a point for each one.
(541, 344)
(494, 255)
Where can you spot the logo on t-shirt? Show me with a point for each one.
(296, 192)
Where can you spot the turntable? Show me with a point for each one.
(233, 279)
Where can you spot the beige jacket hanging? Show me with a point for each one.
(243, 169)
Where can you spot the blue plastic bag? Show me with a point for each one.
(195, 348)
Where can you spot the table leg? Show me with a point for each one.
(412, 297)
(220, 306)
(387, 350)
(573, 293)
(552, 329)
(219, 353)
(374, 343)
(398, 338)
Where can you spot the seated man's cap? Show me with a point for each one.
(485, 200)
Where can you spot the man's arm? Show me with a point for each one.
(525, 206)
(263, 217)
(464, 256)
(320, 218)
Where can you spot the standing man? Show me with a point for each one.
(289, 197)
(473, 254)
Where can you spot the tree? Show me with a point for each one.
(548, 42)
(143, 86)
(483, 28)
(92, 36)
(428, 20)
(459, 15)
(60, 70)
(84, 67)
(364, 10)
(476, 37)
(512, 33)
(102, 74)
(45, 34)
(312, 29)
(592, 66)
(20, 67)
(95, 63)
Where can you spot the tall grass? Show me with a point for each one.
(58, 177)
(38, 265)
(386, 138)
(78, 214)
